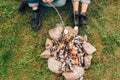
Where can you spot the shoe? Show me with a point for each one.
(75, 18)
(83, 19)
(36, 20)
(23, 5)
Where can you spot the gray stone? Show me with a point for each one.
(89, 48)
(71, 30)
(87, 61)
(48, 44)
(54, 65)
(56, 33)
(75, 74)
(45, 54)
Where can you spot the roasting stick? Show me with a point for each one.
(76, 26)
(63, 24)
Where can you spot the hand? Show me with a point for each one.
(47, 1)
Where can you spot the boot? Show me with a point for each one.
(23, 5)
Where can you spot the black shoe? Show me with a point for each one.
(23, 5)
(36, 20)
(83, 19)
(75, 18)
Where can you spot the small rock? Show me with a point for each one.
(56, 33)
(54, 65)
(48, 44)
(87, 61)
(45, 54)
(75, 74)
(89, 48)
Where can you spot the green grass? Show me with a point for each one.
(20, 47)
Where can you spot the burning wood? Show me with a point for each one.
(67, 52)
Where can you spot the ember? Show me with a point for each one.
(68, 53)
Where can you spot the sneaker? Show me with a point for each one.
(83, 19)
(23, 5)
(75, 18)
(36, 22)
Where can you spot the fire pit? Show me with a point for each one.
(68, 53)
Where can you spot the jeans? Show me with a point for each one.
(56, 3)
(83, 1)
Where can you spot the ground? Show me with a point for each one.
(20, 47)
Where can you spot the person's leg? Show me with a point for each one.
(56, 3)
(75, 15)
(84, 7)
(75, 6)
(34, 4)
(36, 20)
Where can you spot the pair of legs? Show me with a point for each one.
(35, 4)
(36, 7)
(80, 16)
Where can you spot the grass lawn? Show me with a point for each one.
(20, 47)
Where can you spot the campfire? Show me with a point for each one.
(68, 53)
